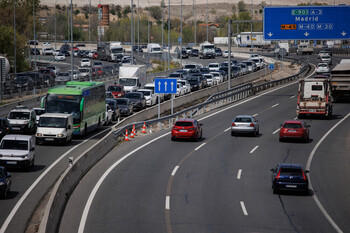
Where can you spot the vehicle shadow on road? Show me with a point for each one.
(309, 193)
(12, 195)
(297, 141)
(35, 168)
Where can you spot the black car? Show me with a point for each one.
(183, 54)
(33, 42)
(34, 51)
(118, 57)
(80, 45)
(288, 176)
(195, 53)
(125, 106)
(23, 81)
(81, 53)
(205, 70)
(4, 127)
(5, 182)
(137, 48)
(137, 99)
(218, 52)
(195, 82)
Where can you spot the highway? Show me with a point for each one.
(221, 183)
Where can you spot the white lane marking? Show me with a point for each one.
(292, 96)
(239, 174)
(244, 209)
(295, 118)
(274, 105)
(227, 129)
(94, 191)
(103, 177)
(36, 182)
(255, 115)
(274, 132)
(174, 171)
(167, 202)
(200, 146)
(252, 151)
(308, 166)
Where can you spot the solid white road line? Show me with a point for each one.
(244, 209)
(227, 129)
(36, 182)
(274, 132)
(103, 177)
(255, 115)
(308, 166)
(252, 151)
(174, 171)
(200, 146)
(239, 174)
(167, 202)
(274, 105)
(295, 118)
(292, 96)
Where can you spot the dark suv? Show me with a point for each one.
(288, 176)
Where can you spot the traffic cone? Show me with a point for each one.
(134, 130)
(132, 134)
(126, 136)
(144, 128)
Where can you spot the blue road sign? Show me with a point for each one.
(165, 85)
(271, 66)
(307, 23)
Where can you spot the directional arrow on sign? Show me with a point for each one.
(172, 86)
(159, 85)
(343, 33)
(165, 84)
(270, 34)
(306, 34)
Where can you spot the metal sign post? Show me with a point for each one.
(165, 86)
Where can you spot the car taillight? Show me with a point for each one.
(233, 124)
(251, 125)
(304, 177)
(278, 175)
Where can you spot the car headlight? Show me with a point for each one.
(25, 122)
(2, 183)
(39, 135)
(24, 156)
(60, 135)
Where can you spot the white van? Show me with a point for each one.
(55, 127)
(17, 151)
(154, 48)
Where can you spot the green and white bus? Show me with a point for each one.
(86, 101)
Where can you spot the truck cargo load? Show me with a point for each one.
(206, 50)
(132, 77)
(340, 80)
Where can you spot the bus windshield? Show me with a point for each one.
(57, 103)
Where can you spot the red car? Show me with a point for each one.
(294, 130)
(94, 55)
(96, 71)
(187, 128)
(116, 90)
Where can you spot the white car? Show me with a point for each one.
(109, 115)
(85, 62)
(76, 74)
(211, 81)
(322, 68)
(214, 66)
(255, 56)
(56, 52)
(185, 84)
(46, 44)
(180, 90)
(85, 73)
(151, 98)
(326, 59)
(218, 77)
(60, 57)
(225, 53)
(47, 51)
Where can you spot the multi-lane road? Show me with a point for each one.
(221, 183)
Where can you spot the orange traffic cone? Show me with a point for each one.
(132, 134)
(144, 127)
(133, 128)
(126, 136)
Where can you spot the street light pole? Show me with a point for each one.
(138, 24)
(251, 30)
(163, 59)
(169, 39)
(132, 31)
(229, 53)
(207, 24)
(148, 24)
(14, 36)
(90, 21)
(181, 38)
(34, 35)
(55, 25)
(71, 36)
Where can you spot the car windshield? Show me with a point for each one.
(183, 123)
(190, 66)
(290, 172)
(52, 122)
(63, 74)
(176, 75)
(19, 115)
(292, 126)
(146, 93)
(127, 82)
(115, 88)
(322, 65)
(122, 102)
(243, 119)
(133, 96)
(14, 145)
(194, 79)
(39, 112)
(213, 65)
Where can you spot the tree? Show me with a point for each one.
(241, 6)
(234, 8)
(156, 12)
(113, 12)
(126, 11)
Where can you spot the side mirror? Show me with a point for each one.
(32, 149)
(309, 126)
(201, 124)
(8, 175)
(307, 171)
(68, 127)
(273, 170)
(281, 125)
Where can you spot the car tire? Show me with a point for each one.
(232, 134)
(275, 190)
(172, 138)
(281, 139)
(4, 194)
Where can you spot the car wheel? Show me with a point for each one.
(4, 194)
(275, 190)
(281, 139)
(232, 134)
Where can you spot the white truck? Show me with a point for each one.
(206, 50)
(154, 48)
(55, 127)
(340, 80)
(282, 45)
(304, 49)
(255, 39)
(132, 77)
(107, 51)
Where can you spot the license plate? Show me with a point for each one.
(312, 110)
(291, 186)
(11, 162)
(48, 139)
(16, 128)
(183, 130)
(292, 131)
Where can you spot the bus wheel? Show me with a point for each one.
(85, 130)
(99, 123)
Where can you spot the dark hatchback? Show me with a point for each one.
(195, 83)
(218, 52)
(125, 106)
(4, 127)
(289, 177)
(195, 53)
(5, 182)
(137, 99)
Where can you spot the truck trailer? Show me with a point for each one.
(132, 77)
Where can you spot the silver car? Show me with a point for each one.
(245, 124)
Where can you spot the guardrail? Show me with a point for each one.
(68, 181)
